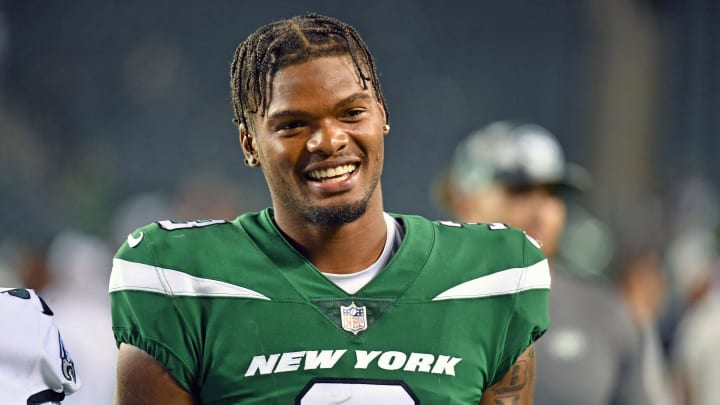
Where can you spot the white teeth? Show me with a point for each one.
(332, 174)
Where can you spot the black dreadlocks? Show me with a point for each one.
(289, 42)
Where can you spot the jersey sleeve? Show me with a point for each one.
(56, 366)
(530, 316)
(145, 313)
(37, 367)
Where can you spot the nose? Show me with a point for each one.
(327, 139)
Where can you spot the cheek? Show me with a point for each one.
(278, 154)
(489, 206)
(556, 215)
(380, 152)
(519, 212)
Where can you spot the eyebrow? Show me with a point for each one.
(353, 97)
(340, 104)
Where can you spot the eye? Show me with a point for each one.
(290, 126)
(520, 190)
(354, 114)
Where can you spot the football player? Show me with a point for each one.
(323, 298)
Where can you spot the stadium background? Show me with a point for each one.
(104, 100)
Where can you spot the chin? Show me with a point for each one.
(337, 214)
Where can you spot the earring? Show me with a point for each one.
(251, 162)
(386, 128)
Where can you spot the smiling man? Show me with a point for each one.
(323, 298)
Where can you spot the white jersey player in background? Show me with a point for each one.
(35, 367)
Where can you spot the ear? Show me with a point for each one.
(247, 142)
(384, 117)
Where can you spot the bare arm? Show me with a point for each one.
(516, 388)
(143, 380)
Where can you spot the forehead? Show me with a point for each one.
(319, 81)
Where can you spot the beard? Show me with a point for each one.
(329, 215)
(337, 215)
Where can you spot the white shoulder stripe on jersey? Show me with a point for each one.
(128, 275)
(503, 282)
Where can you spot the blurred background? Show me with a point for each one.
(115, 114)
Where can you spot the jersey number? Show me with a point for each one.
(356, 392)
(493, 226)
(171, 226)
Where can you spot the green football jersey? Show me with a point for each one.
(238, 316)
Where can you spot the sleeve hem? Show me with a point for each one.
(171, 362)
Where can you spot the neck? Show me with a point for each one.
(342, 249)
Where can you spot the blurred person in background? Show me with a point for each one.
(637, 271)
(516, 173)
(35, 365)
(8, 258)
(25, 262)
(694, 263)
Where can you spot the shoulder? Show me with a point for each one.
(495, 244)
(167, 232)
(170, 241)
(599, 300)
(473, 260)
(490, 235)
(595, 289)
(697, 331)
(594, 295)
(24, 306)
(491, 232)
(170, 258)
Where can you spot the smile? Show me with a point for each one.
(333, 174)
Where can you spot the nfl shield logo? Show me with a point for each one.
(354, 318)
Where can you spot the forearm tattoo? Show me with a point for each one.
(508, 392)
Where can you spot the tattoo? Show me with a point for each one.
(515, 381)
(507, 391)
(515, 387)
(506, 401)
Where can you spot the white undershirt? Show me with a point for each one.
(352, 283)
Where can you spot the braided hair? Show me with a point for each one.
(290, 42)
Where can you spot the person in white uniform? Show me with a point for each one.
(35, 366)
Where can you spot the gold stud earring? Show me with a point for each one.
(251, 162)
(386, 128)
